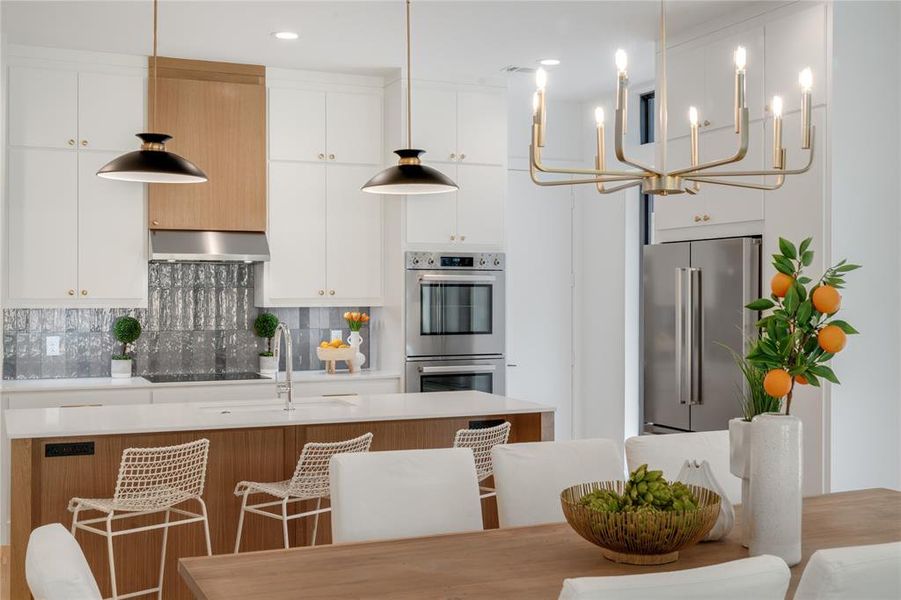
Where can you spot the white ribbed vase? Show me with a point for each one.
(776, 487)
(740, 466)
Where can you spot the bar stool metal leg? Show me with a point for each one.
(316, 520)
(206, 527)
(159, 593)
(285, 522)
(112, 560)
(241, 520)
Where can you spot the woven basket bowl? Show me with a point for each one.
(639, 538)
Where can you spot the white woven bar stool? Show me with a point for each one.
(481, 441)
(151, 481)
(310, 480)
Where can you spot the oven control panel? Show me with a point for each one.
(466, 261)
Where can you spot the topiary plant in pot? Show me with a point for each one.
(265, 326)
(126, 330)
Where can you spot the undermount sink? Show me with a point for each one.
(226, 408)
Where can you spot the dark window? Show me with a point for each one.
(647, 118)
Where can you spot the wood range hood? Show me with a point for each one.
(216, 115)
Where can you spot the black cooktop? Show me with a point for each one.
(188, 377)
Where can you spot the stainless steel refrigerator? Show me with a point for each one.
(694, 295)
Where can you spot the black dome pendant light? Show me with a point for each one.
(152, 163)
(409, 177)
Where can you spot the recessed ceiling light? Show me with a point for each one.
(549, 62)
(285, 35)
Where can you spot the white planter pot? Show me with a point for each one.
(355, 340)
(120, 369)
(776, 487)
(268, 365)
(740, 466)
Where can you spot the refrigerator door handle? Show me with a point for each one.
(682, 302)
(694, 335)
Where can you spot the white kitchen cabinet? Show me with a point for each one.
(110, 111)
(353, 249)
(112, 261)
(325, 236)
(335, 127)
(297, 124)
(685, 88)
(297, 226)
(42, 217)
(43, 107)
(354, 128)
(793, 43)
(480, 204)
(460, 126)
(474, 215)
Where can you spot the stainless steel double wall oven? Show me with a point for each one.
(455, 322)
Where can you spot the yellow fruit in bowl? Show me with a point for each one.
(344, 346)
(335, 343)
(323, 344)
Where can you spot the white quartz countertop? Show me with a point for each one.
(108, 383)
(198, 416)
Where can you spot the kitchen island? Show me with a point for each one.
(60, 453)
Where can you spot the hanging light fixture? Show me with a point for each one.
(658, 180)
(409, 177)
(153, 163)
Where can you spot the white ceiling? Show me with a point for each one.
(454, 40)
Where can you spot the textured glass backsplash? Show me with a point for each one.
(199, 319)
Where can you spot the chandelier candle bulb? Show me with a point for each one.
(600, 162)
(741, 58)
(622, 86)
(805, 79)
(541, 115)
(778, 154)
(693, 122)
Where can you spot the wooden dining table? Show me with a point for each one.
(520, 562)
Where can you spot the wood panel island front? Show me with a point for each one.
(61, 453)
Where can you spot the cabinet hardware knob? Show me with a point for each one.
(71, 292)
(322, 292)
(71, 142)
(331, 157)
(706, 217)
(697, 218)
(321, 156)
(453, 237)
(84, 292)
(453, 155)
(155, 222)
(462, 238)
(331, 292)
(706, 123)
(84, 142)
(462, 156)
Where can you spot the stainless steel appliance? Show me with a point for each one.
(455, 305)
(694, 297)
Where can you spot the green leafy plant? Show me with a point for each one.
(753, 397)
(800, 334)
(126, 330)
(265, 326)
(645, 491)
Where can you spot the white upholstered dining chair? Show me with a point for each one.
(404, 493)
(310, 481)
(758, 578)
(530, 476)
(481, 441)
(668, 452)
(871, 572)
(55, 567)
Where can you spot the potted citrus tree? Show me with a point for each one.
(265, 326)
(126, 330)
(799, 335)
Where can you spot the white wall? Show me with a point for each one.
(865, 216)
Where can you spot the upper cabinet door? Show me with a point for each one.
(297, 226)
(793, 43)
(480, 204)
(112, 239)
(685, 88)
(354, 235)
(110, 111)
(354, 128)
(435, 124)
(296, 125)
(432, 218)
(44, 103)
(681, 210)
(726, 204)
(719, 69)
(41, 224)
(482, 128)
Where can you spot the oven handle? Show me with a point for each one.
(459, 369)
(458, 278)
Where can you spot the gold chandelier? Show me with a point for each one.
(658, 180)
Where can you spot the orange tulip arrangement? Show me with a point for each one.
(801, 333)
(356, 320)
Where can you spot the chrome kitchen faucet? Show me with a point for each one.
(287, 386)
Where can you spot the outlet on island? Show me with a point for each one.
(52, 342)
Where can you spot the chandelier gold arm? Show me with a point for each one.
(533, 173)
(619, 134)
(535, 162)
(753, 186)
(739, 154)
(765, 173)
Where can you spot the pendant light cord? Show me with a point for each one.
(409, 85)
(153, 114)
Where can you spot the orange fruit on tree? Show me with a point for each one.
(777, 383)
(800, 379)
(832, 339)
(826, 299)
(780, 284)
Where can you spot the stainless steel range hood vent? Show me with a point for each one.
(218, 246)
